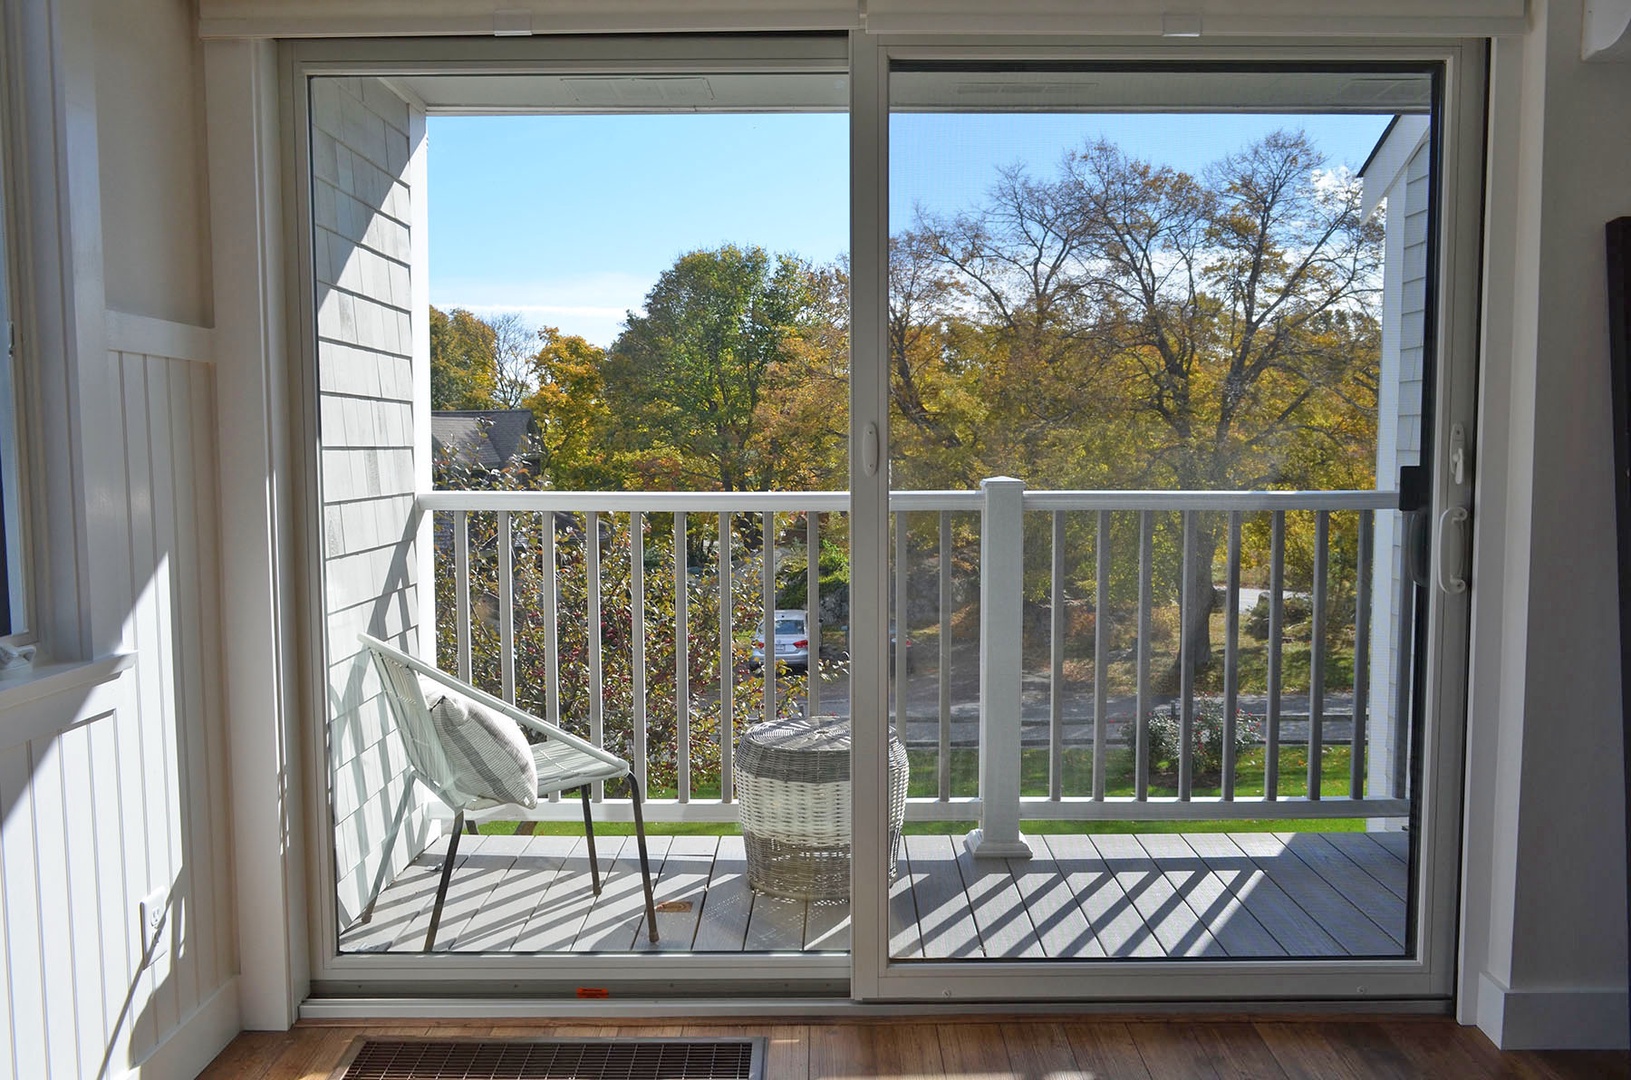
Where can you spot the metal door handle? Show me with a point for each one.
(869, 450)
(1454, 584)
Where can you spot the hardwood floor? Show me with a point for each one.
(1106, 895)
(1001, 1047)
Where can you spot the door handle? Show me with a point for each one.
(869, 450)
(1456, 583)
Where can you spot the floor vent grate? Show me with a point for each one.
(558, 1059)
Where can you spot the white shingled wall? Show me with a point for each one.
(1399, 440)
(363, 140)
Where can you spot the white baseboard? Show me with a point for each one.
(1559, 1019)
(197, 1041)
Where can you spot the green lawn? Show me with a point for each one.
(1078, 779)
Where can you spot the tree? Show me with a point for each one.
(462, 371)
(569, 404)
(513, 356)
(1204, 333)
(688, 380)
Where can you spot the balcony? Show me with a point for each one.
(1058, 735)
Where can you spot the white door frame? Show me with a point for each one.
(1458, 175)
(870, 974)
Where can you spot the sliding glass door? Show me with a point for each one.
(1173, 375)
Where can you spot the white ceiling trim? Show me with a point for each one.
(1204, 18)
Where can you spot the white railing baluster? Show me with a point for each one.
(1002, 597)
(727, 659)
(682, 664)
(506, 608)
(1141, 723)
(943, 673)
(898, 637)
(597, 674)
(1186, 662)
(461, 589)
(1316, 655)
(1277, 588)
(812, 613)
(769, 594)
(552, 622)
(1056, 660)
(637, 636)
(1231, 657)
(1101, 656)
(1358, 748)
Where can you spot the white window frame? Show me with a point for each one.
(868, 975)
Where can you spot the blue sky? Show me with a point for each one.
(570, 219)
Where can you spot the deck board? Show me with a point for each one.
(1296, 930)
(1080, 896)
(1373, 858)
(1236, 929)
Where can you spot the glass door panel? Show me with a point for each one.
(1160, 349)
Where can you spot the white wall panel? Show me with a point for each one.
(122, 793)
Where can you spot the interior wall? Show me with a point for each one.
(113, 780)
(1544, 940)
(150, 143)
(363, 135)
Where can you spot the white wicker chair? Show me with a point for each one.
(564, 762)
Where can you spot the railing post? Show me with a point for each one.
(1002, 591)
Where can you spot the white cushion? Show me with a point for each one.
(488, 755)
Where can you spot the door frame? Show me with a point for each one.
(1443, 628)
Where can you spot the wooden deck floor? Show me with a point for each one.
(1153, 895)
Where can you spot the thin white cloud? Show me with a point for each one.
(593, 306)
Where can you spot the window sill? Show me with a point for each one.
(33, 701)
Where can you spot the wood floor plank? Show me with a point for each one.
(903, 1051)
(973, 1050)
(1061, 928)
(560, 912)
(1106, 1048)
(982, 1045)
(1335, 1050)
(1171, 920)
(787, 1052)
(620, 910)
(1296, 930)
(827, 926)
(1171, 1051)
(1237, 1051)
(497, 925)
(1381, 906)
(683, 880)
(838, 1052)
(945, 922)
(1117, 923)
(723, 926)
(1234, 926)
(1373, 858)
(1331, 911)
(999, 909)
(1039, 1049)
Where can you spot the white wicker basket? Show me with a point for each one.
(792, 778)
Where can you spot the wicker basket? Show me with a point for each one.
(792, 777)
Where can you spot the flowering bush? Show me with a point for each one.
(1206, 736)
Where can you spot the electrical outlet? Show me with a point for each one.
(151, 911)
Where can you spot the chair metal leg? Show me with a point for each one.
(447, 874)
(589, 835)
(645, 865)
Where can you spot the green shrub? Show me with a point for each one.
(1206, 737)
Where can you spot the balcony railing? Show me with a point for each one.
(932, 527)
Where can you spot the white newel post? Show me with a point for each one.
(1002, 582)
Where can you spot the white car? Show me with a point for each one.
(792, 637)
